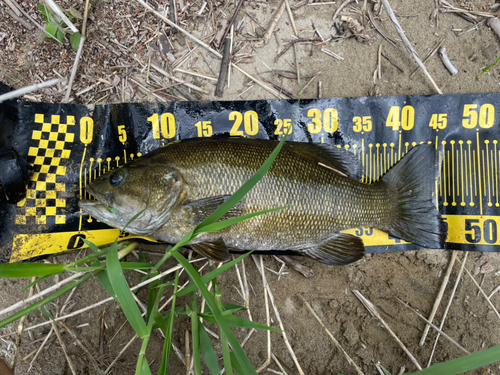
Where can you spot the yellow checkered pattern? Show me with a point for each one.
(45, 201)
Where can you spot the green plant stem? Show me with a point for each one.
(195, 335)
(487, 69)
(145, 341)
(167, 346)
(224, 326)
(226, 354)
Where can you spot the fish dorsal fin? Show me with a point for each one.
(200, 209)
(216, 250)
(331, 157)
(339, 250)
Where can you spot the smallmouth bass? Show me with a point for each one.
(180, 185)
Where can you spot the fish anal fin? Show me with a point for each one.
(339, 250)
(216, 250)
(203, 208)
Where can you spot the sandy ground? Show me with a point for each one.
(119, 30)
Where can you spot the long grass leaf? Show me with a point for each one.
(104, 279)
(152, 297)
(156, 296)
(145, 370)
(208, 351)
(235, 321)
(224, 326)
(34, 283)
(215, 227)
(91, 245)
(17, 270)
(160, 322)
(195, 323)
(212, 274)
(226, 353)
(167, 346)
(123, 293)
(465, 363)
(236, 365)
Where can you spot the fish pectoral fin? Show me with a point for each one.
(339, 250)
(216, 250)
(203, 208)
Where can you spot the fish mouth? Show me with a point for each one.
(97, 206)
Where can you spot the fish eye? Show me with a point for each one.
(117, 178)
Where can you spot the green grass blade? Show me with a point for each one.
(212, 274)
(224, 326)
(34, 283)
(18, 270)
(123, 293)
(152, 297)
(156, 296)
(208, 351)
(195, 322)
(215, 227)
(91, 245)
(145, 370)
(465, 363)
(226, 353)
(487, 69)
(235, 321)
(160, 322)
(236, 365)
(124, 265)
(136, 265)
(167, 346)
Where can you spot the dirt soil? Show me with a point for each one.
(123, 37)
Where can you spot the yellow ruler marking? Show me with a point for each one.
(399, 147)
(378, 161)
(370, 178)
(453, 203)
(466, 175)
(462, 171)
(81, 190)
(385, 158)
(489, 170)
(496, 172)
(479, 175)
(444, 179)
(484, 174)
(449, 172)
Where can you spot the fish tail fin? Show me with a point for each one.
(411, 185)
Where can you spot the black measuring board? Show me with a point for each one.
(69, 145)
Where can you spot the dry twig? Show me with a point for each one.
(459, 277)
(25, 90)
(274, 22)
(334, 340)
(444, 283)
(407, 44)
(369, 306)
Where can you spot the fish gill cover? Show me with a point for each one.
(69, 145)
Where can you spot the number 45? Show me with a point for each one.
(439, 121)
